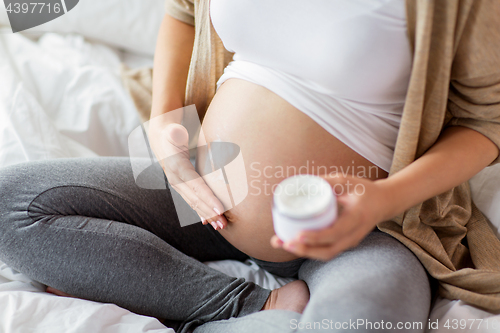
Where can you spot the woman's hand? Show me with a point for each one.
(363, 203)
(448, 163)
(170, 143)
(171, 67)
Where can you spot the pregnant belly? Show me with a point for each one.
(276, 141)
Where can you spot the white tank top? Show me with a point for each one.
(344, 63)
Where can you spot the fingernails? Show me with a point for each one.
(214, 225)
(203, 221)
(277, 243)
(217, 211)
(219, 223)
(290, 246)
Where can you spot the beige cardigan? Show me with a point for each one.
(455, 81)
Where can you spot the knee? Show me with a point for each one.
(378, 280)
(402, 266)
(11, 180)
(379, 260)
(17, 190)
(396, 272)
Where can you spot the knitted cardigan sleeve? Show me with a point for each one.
(183, 10)
(474, 97)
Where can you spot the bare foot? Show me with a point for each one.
(58, 292)
(292, 296)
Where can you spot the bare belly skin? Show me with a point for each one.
(276, 141)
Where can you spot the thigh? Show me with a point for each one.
(105, 189)
(380, 282)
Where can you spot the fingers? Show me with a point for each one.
(203, 221)
(200, 197)
(51, 290)
(221, 221)
(302, 250)
(192, 199)
(195, 198)
(276, 242)
(322, 252)
(321, 237)
(346, 232)
(357, 215)
(218, 222)
(174, 140)
(337, 183)
(167, 143)
(341, 227)
(317, 252)
(177, 135)
(333, 234)
(183, 177)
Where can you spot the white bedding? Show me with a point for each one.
(61, 96)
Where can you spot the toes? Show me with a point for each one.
(58, 292)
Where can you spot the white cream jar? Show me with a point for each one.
(302, 202)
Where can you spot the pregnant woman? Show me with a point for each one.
(400, 94)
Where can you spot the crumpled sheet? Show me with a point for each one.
(61, 96)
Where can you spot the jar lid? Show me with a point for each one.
(303, 196)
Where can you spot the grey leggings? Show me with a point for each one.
(84, 227)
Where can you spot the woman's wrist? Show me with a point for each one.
(392, 198)
(458, 154)
(163, 115)
(165, 107)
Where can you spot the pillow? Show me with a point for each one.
(485, 187)
(132, 25)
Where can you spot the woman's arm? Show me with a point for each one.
(171, 65)
(457, 156)
(170, 145)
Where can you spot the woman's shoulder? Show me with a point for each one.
(183, 10)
